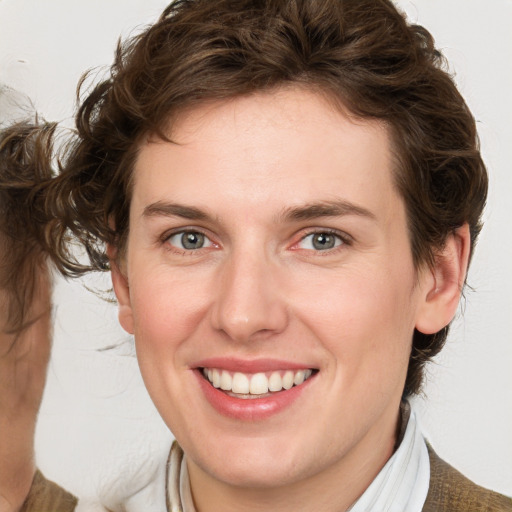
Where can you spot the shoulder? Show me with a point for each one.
(450, 491)
(48, 496)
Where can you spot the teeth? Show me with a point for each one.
(288, 380)
(275, 383)
(215, 380)
(226, 382)
(240, 383)
(298, 378)
(257, 383)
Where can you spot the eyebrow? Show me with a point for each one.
(337, 208)
(309, 211)
(162, 208)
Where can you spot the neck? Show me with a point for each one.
(331, 489)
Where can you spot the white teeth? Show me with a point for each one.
(259, 384)
(215, 380)
(288, 380)
(298, 378)
(275, 383)
(255, 384)
(240, 384)
(226, 382)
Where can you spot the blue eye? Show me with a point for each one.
(320, 241)
(189, 240)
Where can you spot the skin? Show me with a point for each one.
(24, 356)
(260, 289)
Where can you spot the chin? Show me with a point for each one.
(256, 473)
(256, 462)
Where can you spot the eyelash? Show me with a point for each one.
(165, 240)
(343, 238)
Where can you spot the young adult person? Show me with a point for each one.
(287, 194)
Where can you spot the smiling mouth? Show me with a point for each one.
(256, 385)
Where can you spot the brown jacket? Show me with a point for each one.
(449, 491)
(46, 496)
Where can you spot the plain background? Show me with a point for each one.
(98, 431)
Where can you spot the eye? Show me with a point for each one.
(320, 241)
(189, 240)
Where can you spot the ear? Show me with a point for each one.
(122, 291)
(442, 285)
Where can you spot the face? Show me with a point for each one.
(269, 282)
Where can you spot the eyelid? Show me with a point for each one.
(167, 235)
(345, 238)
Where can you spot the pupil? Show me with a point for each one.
(323, 241)
(192, 240)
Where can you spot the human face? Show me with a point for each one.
(269, 238)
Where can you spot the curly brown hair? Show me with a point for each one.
(360, 53)
(24, 174)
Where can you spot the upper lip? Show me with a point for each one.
(250, 365)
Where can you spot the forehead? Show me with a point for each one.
(267, 150)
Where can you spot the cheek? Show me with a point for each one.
(167, 312)
(365, 320)
(167, 308)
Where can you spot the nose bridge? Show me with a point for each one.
(247, 299)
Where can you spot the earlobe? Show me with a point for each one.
(442, 284)
(122, 291)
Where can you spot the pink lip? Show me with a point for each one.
(249, 366)
(251, 409)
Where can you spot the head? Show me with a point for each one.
(355, 61)
(362, 56)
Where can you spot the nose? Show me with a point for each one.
(249, 303)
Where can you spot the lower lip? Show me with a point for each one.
(250, 409)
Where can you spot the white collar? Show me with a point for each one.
(402, 484)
